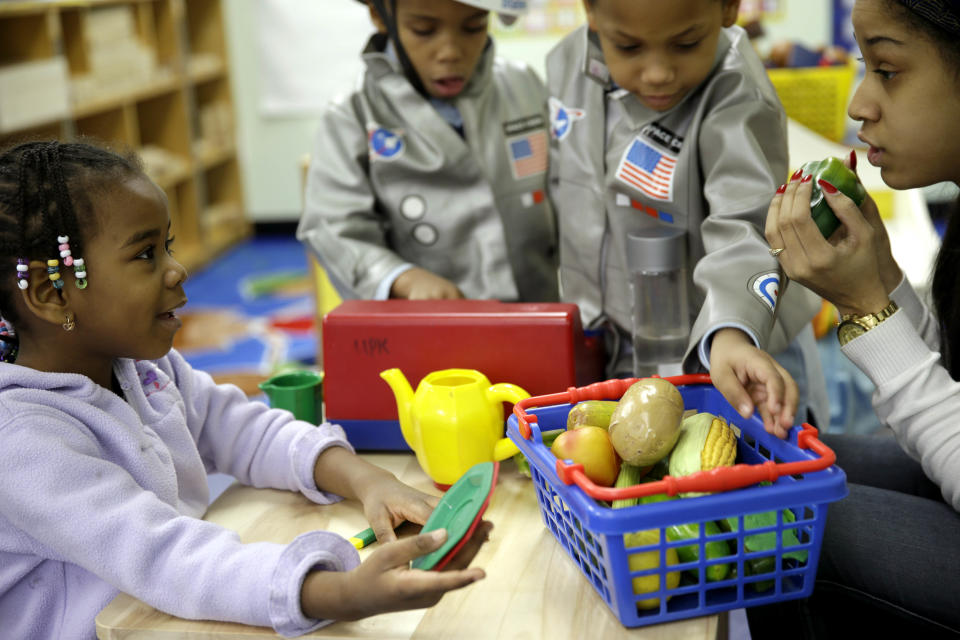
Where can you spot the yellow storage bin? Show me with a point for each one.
(816, 97)
(884, 200)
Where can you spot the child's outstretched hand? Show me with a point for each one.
(750, 378)
(419, 284)
(385, 582)
(387, 502)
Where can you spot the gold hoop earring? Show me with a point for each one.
(68, 323)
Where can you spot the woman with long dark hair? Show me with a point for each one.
(890, 561)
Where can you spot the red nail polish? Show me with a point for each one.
(807, 178)
(853, 159)
(781, 188)
(826, 186)
(796, 175)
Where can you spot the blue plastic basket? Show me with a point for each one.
(800, 482)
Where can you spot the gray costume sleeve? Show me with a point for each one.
(341, 224)
(743, 155)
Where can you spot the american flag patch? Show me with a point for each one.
(528, 154)
(651, 171)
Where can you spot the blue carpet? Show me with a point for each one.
(250, 312)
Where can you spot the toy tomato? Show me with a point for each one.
(836, 173)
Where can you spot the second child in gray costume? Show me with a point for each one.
(435, 167)
(662, 115)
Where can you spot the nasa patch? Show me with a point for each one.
(766, 286)
(384, 144)
(562, 118)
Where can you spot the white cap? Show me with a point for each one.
(508, 10)
(509, 7)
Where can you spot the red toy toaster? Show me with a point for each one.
(539, 346)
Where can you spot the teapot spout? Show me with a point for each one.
(403, 393)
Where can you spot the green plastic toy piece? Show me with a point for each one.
(836, 173)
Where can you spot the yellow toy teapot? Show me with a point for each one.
(454, 420)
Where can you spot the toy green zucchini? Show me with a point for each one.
(631, 475)
(691, 553)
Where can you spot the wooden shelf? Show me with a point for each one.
(148, 75)
(148, 90)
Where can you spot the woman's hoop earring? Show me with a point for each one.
(68, 323)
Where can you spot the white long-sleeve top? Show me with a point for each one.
(915, 395)
(101, 494)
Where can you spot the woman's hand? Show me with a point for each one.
(853, 268)
(750, 378)
(889, 269)
(385, 582)
(419, 284)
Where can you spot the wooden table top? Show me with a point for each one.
(533, 589)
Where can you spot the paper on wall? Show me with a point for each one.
(309, 52)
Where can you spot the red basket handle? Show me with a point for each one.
(596, 391)
(719, 479)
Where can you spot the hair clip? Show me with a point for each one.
(65, 250)
(80, 274)
(23, 280)
(53, 272)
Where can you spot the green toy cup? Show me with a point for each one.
(300, 392)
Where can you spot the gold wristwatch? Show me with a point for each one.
(853, 326)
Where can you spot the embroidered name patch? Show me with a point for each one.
(384, 144)
(562, 118)
(766, 286)
(648, 169)
(663, 136)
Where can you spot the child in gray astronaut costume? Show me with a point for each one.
(662, 116)
(429, 180)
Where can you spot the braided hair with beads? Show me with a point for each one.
(46, 214)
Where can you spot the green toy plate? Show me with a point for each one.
(459, 512)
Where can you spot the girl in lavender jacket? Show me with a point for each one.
(107, 434)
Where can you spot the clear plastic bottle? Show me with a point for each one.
(657, 259)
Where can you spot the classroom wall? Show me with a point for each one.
(330, 34)
(272, 139)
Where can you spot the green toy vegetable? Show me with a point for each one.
(631, 475)
(836, 173)
(766, 541)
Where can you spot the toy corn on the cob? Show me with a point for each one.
(706, 442)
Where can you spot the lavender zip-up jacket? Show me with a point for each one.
(101, 494)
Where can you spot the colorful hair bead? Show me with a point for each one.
(53, 272)
(79, 274)
(23, 280)
(65, 250)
